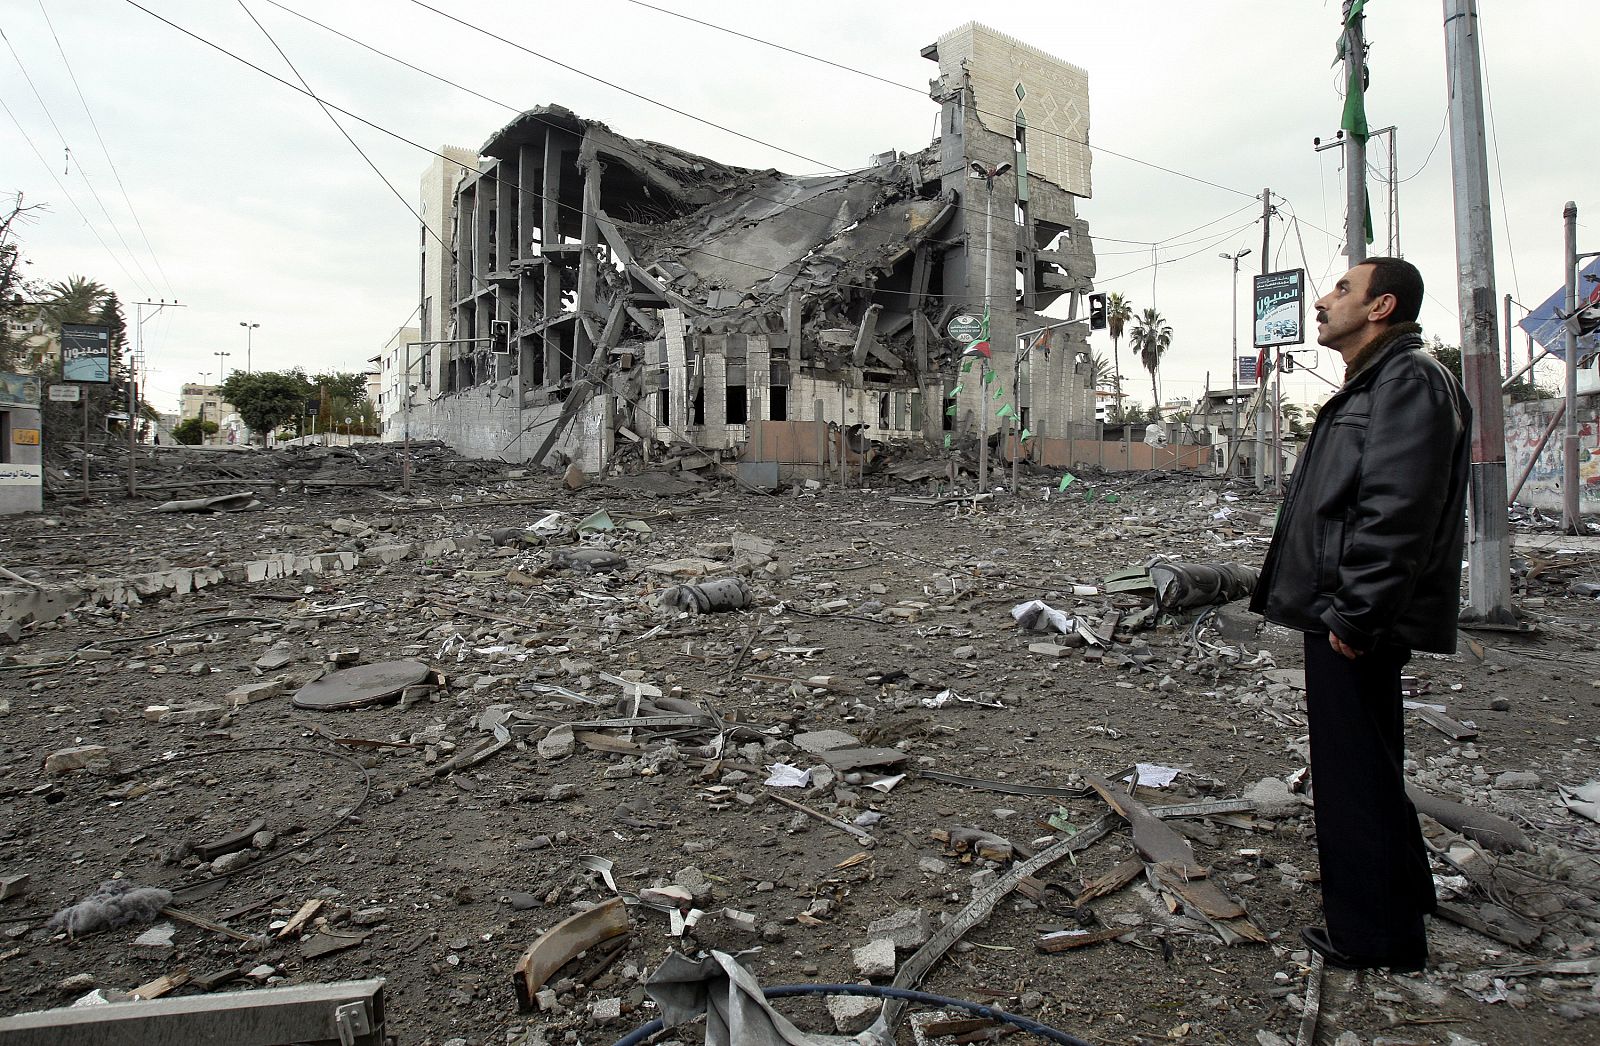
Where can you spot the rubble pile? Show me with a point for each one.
(510, 744)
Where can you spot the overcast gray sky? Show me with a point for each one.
(256, 209)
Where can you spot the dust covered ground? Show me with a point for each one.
(444, 830)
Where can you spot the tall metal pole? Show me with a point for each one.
(133, 394)
(405, 454)
(1261, 379)
(1355, 157)
(1488, 566)
(983, 361)
(1233, 363)
(1507, 319)
(1571, 520)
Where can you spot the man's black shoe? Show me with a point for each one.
(1316, 938)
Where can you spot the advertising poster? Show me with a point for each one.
(1279, 311)
(19, 390)
(85, 352)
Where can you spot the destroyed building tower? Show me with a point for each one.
(607, 297)
(1006, 102)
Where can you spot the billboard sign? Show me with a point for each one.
(1547, 323)
(85, 352)
(19, 390)
(1247, 371)
(1279, 308)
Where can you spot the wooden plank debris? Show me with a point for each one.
(1052, 943)
(1447, 726)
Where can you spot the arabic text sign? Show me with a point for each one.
(1278, 315)
(85, 352)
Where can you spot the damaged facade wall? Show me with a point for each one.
(1525, 423)
(655, 297)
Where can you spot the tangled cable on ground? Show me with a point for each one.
(639, 1035)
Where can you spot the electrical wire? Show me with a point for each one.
(918, 91)
(873, 991)
(256, 865)
(64, 192)
(81, 172)
(1499, 173)
(782, 204)
(618, 87)
(106, 152)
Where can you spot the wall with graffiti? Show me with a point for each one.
(1525, 424)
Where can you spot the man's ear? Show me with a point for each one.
(1383, 307)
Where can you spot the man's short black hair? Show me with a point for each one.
(1400, 278)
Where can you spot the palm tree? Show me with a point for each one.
(78, 300)
(1152, 337)
(1101, 374)
(1118, 312)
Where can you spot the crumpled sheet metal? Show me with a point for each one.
(1180, 586)
(737, 1014)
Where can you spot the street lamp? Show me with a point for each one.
(248, 329)
(1233, 362)
(988, 174)
(222, 366)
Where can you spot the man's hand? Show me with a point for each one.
(1341, 647)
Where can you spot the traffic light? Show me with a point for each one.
(1097, 312)
(500, 336)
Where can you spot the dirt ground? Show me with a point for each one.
(888, 620)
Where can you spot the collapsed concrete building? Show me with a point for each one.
(605, 295)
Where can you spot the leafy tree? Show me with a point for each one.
(1118, 312)
(1152, 337)
(266, 399)
(349, 386)
(1521, 391)
(191, 432)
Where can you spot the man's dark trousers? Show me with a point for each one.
(1376, 884)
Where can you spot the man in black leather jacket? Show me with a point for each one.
(1366, 561)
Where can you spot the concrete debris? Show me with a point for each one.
(614, 725)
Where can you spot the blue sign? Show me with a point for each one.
(1548, 327)
(85, 352)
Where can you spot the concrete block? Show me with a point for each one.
(389, 553)
(852, 1014)
(909, 929)
(67, 759)
(875, 959)
(557, 744)
(250, 693)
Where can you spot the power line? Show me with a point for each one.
(104, 151)
(81, 172)
(893, 83)
(780, 203)
(1173, 261)
(64, 192)
(624, 90)
(384, 54)
(1499, 174)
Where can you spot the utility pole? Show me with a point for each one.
(249, 329)
(133, 385)
(1571, 521)
(1261, 378)
(1355, 123)
(1488, 561)
(1233, 362)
